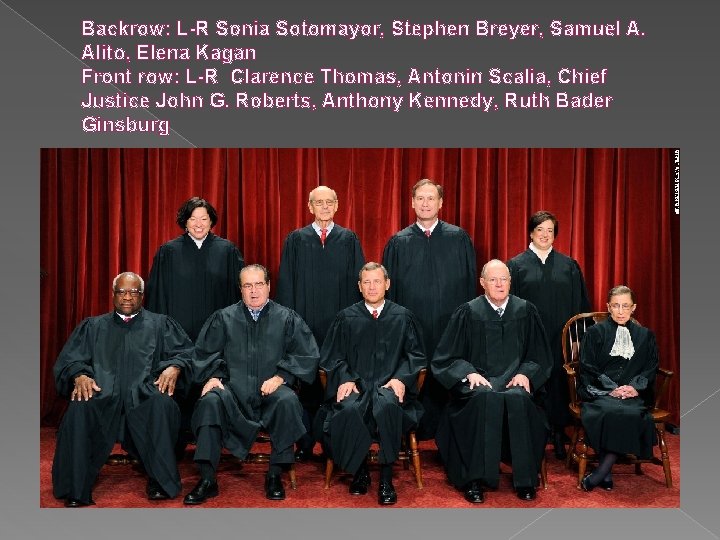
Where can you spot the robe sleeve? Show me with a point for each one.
(471, 267)
(177, 351)
(580, 294)
(644, 381)
(155, 292)
(450, 363)
(358, 261)
(590, 363)
(413, 355)
(301, 356)
(333, 357)
(208, 358)
(236, 263)
(285, 284)
(75, 359)
(537, 360)
(389, 261)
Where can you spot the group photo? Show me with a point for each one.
(359, 328)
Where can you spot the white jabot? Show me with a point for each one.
(198, 243)
(542, 255)
(623, 345)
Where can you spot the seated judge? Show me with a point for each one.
(249, 356)
(494, 358)
(618, 361)
(372, 355)
(120, 371)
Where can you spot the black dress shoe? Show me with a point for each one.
(386, 493)
(203, 490)
(526, 493)
(607, 485)
(274, 489)
(154, 491)
(585, 483)
(360, 483)
(473, 493)
(75, 503)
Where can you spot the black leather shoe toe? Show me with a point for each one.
(585, 484)
(386, 493)
(203, 490)
(274, 489)
(526, 494)
(75, 503)
(473, 493)
(154, 491)
(360, 483)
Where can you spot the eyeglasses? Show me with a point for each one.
(250, 286)
(624, 307)
(132, 292)
(495, 280)
(321, 202)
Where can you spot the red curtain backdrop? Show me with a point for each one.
(104, 211)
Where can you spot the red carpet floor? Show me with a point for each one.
(241, 486)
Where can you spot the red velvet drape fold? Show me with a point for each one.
(104, 211)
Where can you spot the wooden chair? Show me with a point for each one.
(572, 335)
(409, 454)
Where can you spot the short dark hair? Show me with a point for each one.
(255, 266)
(370, 266)
(621, 289)
(539, 217)
(427, 182)
(187, 208)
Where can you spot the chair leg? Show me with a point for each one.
(582, 456)
(293, 480)
(415, 457)
(328, 471)
(665, 457)
(543, 473)
(571, 449)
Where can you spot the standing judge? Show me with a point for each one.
(319, 266)
(494, 358)
(554, 283)
(120, 371)
(248, 356)
(433, 270)
(196, 273)
(372, 355)
(618, 362)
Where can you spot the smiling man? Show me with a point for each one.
(493, 358)
(372, 355)
(433, 270)
(120, 371)
(248, 356)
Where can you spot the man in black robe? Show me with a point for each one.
(319, 266)
(249, 356)
(372, 355)
(120, 371)
(433, 269)
(494, 358)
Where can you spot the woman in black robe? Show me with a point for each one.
(554, 283)
(618, 361)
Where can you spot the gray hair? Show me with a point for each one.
(483, 272)
(370, 266)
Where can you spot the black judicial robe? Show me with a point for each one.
(370, 352)
(558, 290)
(318, 282)
(189, 284)
(431, 277)
(244, 354)
(124, 359)
(470, 435)
(624, 426)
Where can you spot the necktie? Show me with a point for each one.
(323, 236)
(375, 314)
(127, 319)
(427, 233)
(255, 314)
(500, 311)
